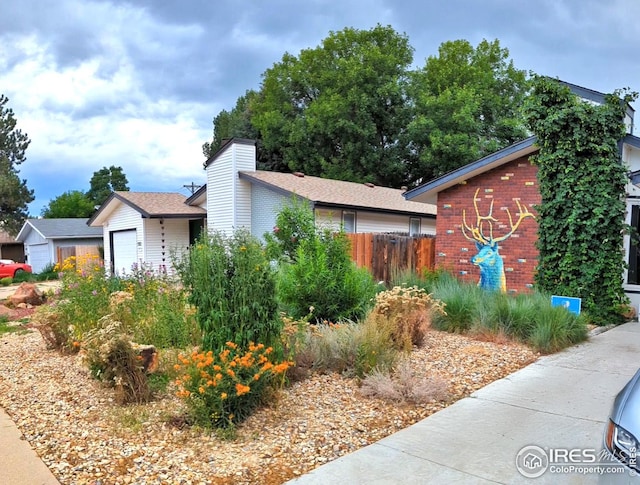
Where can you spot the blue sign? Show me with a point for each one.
(570, 303)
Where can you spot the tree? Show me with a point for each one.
(338, 110)
(73, 203)
(105, 181)
(467, 104)
(582, 183)
(14, 193)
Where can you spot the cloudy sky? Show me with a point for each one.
(137, 83)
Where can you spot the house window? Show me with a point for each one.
(349, 221)
(414, 226)
(633, 277)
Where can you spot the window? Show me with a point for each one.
(349, 221)
(414, 226)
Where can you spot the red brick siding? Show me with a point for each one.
(504, 185)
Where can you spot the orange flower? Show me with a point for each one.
(201, 390)
(223, 396)
(231, 373)
(177, 367)
(256, 377)
(242, 389)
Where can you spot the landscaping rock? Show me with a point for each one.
(27, 293)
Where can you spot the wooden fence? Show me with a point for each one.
(86, 256)
(386, 254)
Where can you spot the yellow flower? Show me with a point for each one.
(201, 390)
(223, 396)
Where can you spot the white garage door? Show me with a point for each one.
(125, 251)
(38, 256)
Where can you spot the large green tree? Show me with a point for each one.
(14, 193)
(467, 104)
(105, 181)
(73, 203)
(339, 109)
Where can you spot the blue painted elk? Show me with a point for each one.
(488, 259)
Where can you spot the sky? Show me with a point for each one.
(137, 83)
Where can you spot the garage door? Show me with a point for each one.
(124, 251)
(38, 256)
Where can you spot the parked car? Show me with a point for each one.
(623, 427)
(10, 269)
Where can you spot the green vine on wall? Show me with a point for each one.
(582, 183)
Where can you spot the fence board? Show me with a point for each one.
(386, 254)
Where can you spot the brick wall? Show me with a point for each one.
(504, 185)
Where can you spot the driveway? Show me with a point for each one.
(556, 407)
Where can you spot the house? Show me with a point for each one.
(499, 193)
(145, 227)
(48, 241)
(10, 248)
(236, 195)
(257, 196)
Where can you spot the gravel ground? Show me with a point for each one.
(84, 437)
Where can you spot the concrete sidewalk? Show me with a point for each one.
(561, 401)
(19, 464)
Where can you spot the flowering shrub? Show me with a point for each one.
(223, 389)
(409, 310)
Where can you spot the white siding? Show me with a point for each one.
(228, 197)
(174, 232)
(38, 251)
(265, 205)
(122, 218)
(374, 222)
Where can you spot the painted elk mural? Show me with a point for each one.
(488, 259)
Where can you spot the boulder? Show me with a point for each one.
(27, 293)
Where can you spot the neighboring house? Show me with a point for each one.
(10, 248)
(145, 227)
(141, 227)
(474, 199)
(237, 195)
(44, 239)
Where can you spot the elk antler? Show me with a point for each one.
(523, 215)
(477, 233)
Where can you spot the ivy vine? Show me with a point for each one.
(582, 183)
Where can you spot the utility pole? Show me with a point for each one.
(192, 187)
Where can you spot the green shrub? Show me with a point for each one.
(556, 328)
(232, 286)
(324, 277)
(223, 389)
(294, 223)
(462, 302)
(6, 281)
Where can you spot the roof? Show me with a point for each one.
(151, 205)
(6, 238)
(337, 193)
(427, 193)
(63, 228)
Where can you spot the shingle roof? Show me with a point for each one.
(64, 228)
(339, 193)
(159, 204)
(6, 238)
